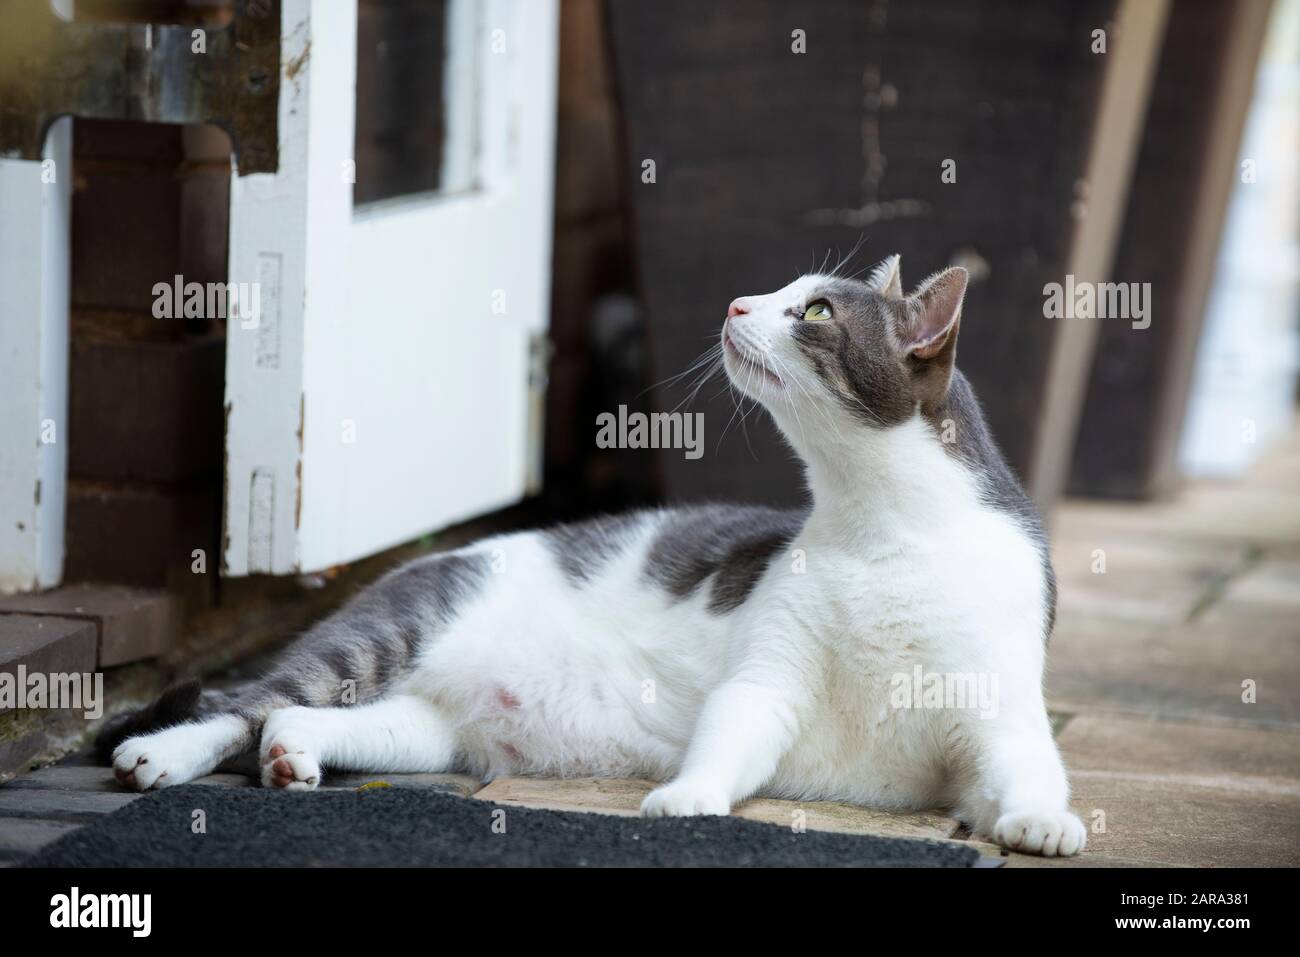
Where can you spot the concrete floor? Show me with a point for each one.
(1174, 677)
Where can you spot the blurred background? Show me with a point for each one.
(471, 228)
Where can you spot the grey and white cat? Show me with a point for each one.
(724, 650)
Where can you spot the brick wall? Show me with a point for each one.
(150, 202)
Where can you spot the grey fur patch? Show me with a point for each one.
(732, 544)
(974, 446)
(368, 644)
(582, 549)
(853, 354)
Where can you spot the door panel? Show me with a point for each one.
(382, 388)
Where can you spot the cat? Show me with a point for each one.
(723, 650)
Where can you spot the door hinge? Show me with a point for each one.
(539, 362)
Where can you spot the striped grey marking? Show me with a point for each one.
(372, 640)
(583, 548)
(732, 544)
(854, 356)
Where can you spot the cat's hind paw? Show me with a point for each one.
(1049, 833)
(290, 770)
(161, 759)
(684, 799)
(287, 756)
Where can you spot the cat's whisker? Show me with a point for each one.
(744, 393)
(699, 383)
(731, 385)
(826, 417)
(817, 406)
(705, 367)
(713, 352)
(784, 371)
(849, 257)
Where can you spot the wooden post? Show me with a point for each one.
(1139, 32)
(1139, 381)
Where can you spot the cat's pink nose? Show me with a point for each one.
(738, 307)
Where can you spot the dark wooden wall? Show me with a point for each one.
(767, 159)
(591, 264)
(1187, 164)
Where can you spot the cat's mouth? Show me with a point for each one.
(736, 354)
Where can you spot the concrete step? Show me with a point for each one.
(130, 623)
(46, 644)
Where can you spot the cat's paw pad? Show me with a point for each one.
(290, 770)
(287, 755)
(683, 799)
(1049, 833)
(157, 760)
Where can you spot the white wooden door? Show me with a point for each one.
(381, 389)
(35, 256)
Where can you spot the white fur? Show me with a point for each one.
(178, 754)
(789, 695)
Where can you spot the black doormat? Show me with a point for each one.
(418, 827)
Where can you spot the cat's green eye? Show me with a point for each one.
(817, 312)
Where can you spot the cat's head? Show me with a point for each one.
(847, 354)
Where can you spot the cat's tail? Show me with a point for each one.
(177, 704)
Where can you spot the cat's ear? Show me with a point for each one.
(885, 279)
(933, 314)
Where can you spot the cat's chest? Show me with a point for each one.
(918, 595)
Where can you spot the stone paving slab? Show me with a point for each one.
(1089, 858)
(60, 804)
(461, 784)
(1252, 759)
(1270, 588)
(848, 818)
(226, 780)
(1187, 793)
(1170, 821)
(602, 795)
(67, 778)
(1230, 514)
(623, 797)
(20, 836)
(1145, 579)
(1279, 470)
(93, 778)
(1191, 671)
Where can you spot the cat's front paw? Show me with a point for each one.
(1049, 833)
(685, 799)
